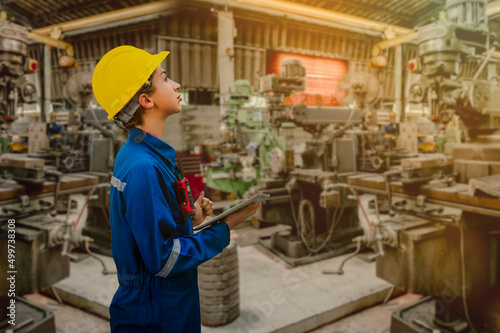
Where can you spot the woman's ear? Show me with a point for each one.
(145, 101)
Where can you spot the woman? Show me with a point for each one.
(154, 248)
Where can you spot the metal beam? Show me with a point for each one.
(323, 14)
(399, 82)
(47, 83)
(293, 11)
(493, 9)
(117, 15)
(116, 24)
(271, 7)
(225, 51)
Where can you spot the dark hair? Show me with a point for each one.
(138, 115)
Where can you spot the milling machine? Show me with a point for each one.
(85, 141)
(323, 215)
(14, 64)
(36, 196)
(444, 47)
(441, 238)
(306, 194)
(376, 151)
(246, 145)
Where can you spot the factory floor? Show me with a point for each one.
(375, 319)
(308, 299)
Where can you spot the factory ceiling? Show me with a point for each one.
(402, 13)
(408, 13)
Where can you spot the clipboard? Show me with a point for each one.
(259, 197)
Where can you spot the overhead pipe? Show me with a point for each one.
(42, 34)
(66, 47)
(357, 24)
(388, 43)
(117, 15)
(326, 15)
(493, 9)
(322, 16)
(296, 11)
(405, 35)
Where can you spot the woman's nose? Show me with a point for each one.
(177, 86)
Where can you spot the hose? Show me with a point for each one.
(340, 270)
(105, 270)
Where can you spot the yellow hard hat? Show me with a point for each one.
(120, 74)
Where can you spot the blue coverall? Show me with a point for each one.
(155, 251)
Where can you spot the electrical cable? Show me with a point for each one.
(86, 202)
(80, 215)
(335, 221)
(366, 216)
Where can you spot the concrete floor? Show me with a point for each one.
(374, 320)
(70, 319)
(274, 297)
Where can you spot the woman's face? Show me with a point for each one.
(166, 96)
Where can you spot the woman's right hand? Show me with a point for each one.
(236, 218)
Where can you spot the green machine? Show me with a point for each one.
(247, 142)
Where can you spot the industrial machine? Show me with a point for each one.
(444, 47)
(42, 233)
(440, 238)
(308, 194)
(246, 145)
(376, 151)
(15, 63)
(324, 215)
(84, 140)
(37, 188)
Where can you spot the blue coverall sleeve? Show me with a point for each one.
(153, 225)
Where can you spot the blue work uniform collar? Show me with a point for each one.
(153, 142)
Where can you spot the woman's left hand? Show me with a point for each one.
(203, 207)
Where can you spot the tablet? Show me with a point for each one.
(256, 198)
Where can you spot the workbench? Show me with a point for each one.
(456, 196)
(10, 192)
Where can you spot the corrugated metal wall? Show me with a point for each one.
(281, 35)
(192, 37)
(194, 62)
(317, 41)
